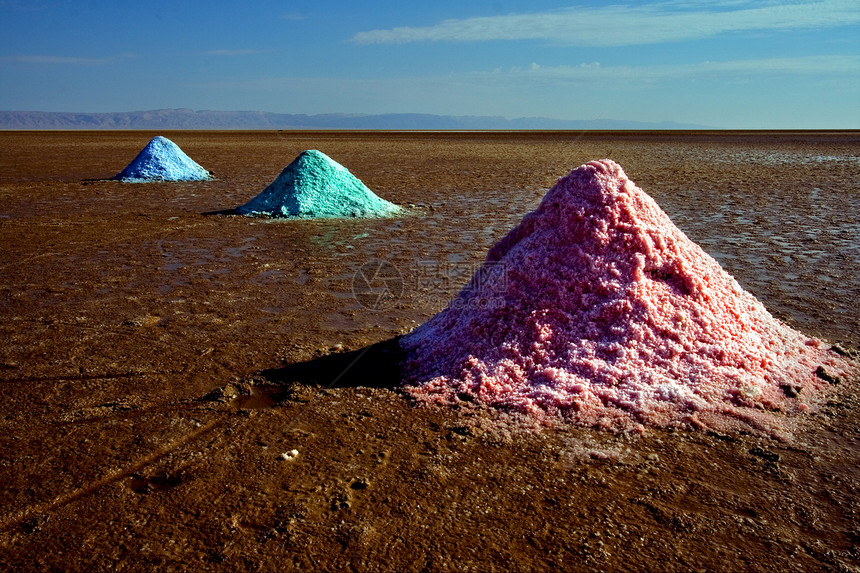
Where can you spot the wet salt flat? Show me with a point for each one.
(762, 156)
(796, 246)
(149, 343)
(775, 158)
(786, 231)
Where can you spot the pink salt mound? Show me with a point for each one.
(596, 309)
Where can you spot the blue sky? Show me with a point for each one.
(724, 63)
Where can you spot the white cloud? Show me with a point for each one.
(591, 74)
(839, 66)
(56, 60)
(623, 25)
(233, 52)
(293, 16)
(817, 92)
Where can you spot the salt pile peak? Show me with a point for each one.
(596, 309)
(162, 160)
(315, 185)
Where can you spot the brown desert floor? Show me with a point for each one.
(158, 357)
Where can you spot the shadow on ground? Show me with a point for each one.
(374, 366)
(220, 212)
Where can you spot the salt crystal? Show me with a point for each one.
(162, 160)
(291, 455)
(314, 185)
(596, 309)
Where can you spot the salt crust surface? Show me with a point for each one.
(596, 309)
(314, 185)
(162, 160)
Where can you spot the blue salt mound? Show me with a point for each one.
(162, 160)
(316, 186)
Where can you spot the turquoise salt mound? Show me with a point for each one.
(162, 160)
(316, 186)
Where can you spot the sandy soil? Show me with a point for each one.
(158, 357)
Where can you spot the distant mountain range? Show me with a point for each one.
(207, 119)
